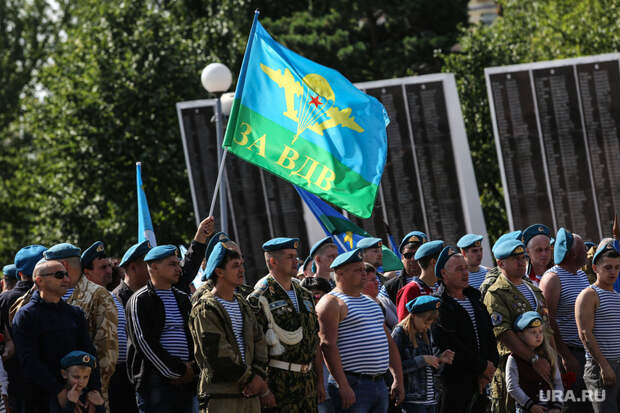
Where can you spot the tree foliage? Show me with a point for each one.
(529, 30)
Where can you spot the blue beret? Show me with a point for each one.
(349, 257)
(10, 271)
(134, 252)
(217, 237)
(533, 230)
(607, 245)
(504, 237)
(589, 244)
(443, 258)
(97, 250)
(528, 319)
(413, 236)
(469, 240)
(319, 244)
(160, 252)
(428, 249)
(78, 358)
(508, 248)
(277, 244)
(306, 262)
(423, 303)
(27, 257)
(215, 258)
(563, 244)
(369, 242)
(62, 251)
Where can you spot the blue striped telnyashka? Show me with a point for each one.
(476, 278)
(234, 312)
(572, 285)
(173, 338)
(121, 331)
(607, 323)
(362, 342)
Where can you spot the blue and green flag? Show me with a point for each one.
(145, 225)
(307, 124)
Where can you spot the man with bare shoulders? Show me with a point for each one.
(356, 345)
(597, 310)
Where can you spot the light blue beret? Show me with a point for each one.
(589, 245)
(306, 262)
(160, 252)
(215, 258)
(423, 303)
(97, 250)
(349, 257)
(10, 271)
(469, 240)
(415, 237)
(609, 245)
(78, 358)
(528, 319)
(504, 237)
(62, 251)
(217, 237)
(563, 244)
(443, 258)
(508, 248)
(428, 249)
(27, 257)
(319, 244)
(135, 252)
(369, 242)
(533, 230)
(281, 243)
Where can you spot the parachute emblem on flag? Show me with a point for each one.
(311, 102)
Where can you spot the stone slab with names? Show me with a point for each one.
(556, 131)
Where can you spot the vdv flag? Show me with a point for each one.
(307, 124)
(145, 226)
(345, 233)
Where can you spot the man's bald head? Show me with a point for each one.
(578, 251)
(46, 267)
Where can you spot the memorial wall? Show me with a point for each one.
(556, 132)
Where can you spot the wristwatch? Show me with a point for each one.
(534, 359)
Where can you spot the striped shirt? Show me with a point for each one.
(173, 338)
(466, 304)
(571, 286)
(293, 297)
(67, 294)
(362, 342)
(528, 294)
(121, 331)
(476, 278)
(607, 323)
(234, 312)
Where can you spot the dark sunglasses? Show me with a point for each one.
(408, 255)
(59, 275)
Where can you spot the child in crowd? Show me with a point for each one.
(75, 398)
(418, 355)
(532, 392)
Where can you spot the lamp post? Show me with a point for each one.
(216, 78)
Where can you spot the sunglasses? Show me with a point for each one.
(59, 275)
(409, 255)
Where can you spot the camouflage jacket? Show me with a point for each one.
(243, 289)
(286, 316)
(102, 318)
(222, 370)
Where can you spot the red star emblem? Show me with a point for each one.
(315, 101)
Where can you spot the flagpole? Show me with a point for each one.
(217, 183)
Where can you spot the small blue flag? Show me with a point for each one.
(145, 226)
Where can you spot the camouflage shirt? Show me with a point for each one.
(222, 369)
(102, 319)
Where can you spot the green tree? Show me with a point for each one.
(528, 31)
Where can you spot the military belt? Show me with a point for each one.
(285, 365)
(371, 377)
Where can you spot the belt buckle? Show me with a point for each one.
(304, 368)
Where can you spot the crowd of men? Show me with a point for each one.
(332, 333)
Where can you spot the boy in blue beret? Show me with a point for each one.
(75, 368)
(420, 358)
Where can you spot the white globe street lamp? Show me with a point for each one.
(216, 78)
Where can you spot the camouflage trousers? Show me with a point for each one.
(501, 402)
(240, 405)
(294, 392)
